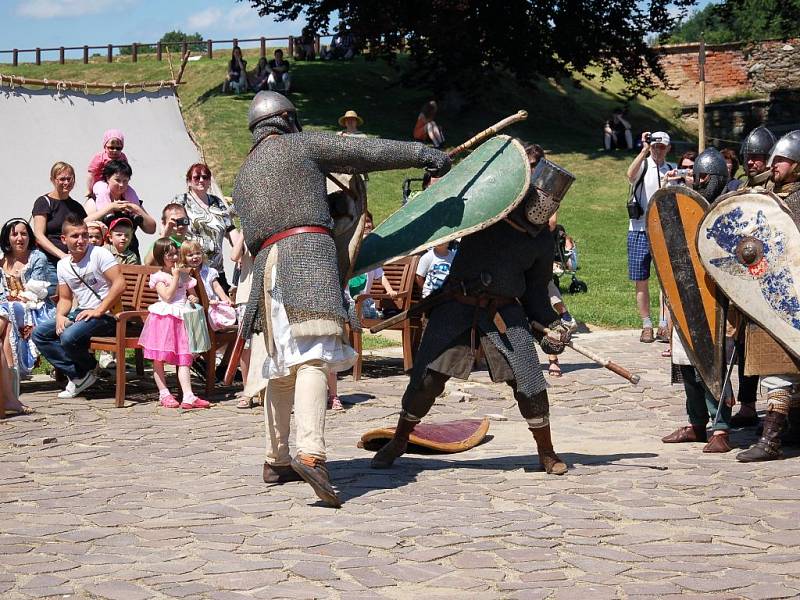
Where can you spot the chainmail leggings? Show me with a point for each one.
(418, 402)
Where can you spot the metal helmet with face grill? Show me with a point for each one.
(788, 147)
(759, 141)
(268, 104)
(549, 184)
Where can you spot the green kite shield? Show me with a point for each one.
(751, 247)
(477, 192)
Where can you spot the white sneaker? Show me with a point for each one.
(76, 386)
(106, 360)
(571, 324)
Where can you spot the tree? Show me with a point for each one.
(174, 39)
(465, 45)
(739, 20)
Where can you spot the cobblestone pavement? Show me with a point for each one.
(145, 502)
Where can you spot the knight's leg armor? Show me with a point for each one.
(780, 398)
(536, 411)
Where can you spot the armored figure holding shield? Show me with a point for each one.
(496, 287)
(299, 270)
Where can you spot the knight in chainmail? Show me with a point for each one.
(497, 285)
(297, 294)
(710, 176)
(754, 152)
(783, 391)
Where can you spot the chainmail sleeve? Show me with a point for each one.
(346, 154)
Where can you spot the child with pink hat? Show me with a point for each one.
(113, 142)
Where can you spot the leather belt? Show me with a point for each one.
(295, 231)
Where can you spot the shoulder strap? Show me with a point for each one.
(78, 275)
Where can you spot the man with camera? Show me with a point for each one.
(645, 174)
(174, 225)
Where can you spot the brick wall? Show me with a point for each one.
(731, 69)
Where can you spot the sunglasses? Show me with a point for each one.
(201, 177)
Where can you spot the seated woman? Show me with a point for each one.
(236, 79)
(29, 281)
(117, 201)
(257, 80)
(426, 129)
(9, 383)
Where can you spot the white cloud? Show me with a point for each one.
(205, 18)
(51, 9)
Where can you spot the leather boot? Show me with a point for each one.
(769, 446)
(548, 459)
(395, 447)
(280, 474)
(315, 472)
(687, 433)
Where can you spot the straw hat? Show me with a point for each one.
(349, 114)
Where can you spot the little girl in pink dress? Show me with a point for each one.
(164, 338)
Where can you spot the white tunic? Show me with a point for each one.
(291, 350)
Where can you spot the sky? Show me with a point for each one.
(54, 23)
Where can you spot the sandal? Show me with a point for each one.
(334, 403)
(248, 402)
(554, 370)
(22, 409)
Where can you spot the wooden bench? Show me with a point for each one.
(400, 274)
(224, 337)
(136, 299)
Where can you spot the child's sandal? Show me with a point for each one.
(554, 370)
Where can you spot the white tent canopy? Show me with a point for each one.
(40, 127)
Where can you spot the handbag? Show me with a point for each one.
(221, 316)
(194, 320)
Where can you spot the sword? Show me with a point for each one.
(600, 360)
(726, 382)
(520, 115)
(236, 355)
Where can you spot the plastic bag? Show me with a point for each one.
(221, 316)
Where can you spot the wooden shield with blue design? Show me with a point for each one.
(696, 303)
(750, 245)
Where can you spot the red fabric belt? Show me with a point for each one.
(294, 231)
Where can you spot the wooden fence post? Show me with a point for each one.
(263, 47)
(134, 52)
(159, 51)
(110, 53)
(210, 49)
(38, 56)
(316, 45)
(290, 48)
(184, 48)
(61, 55)
(15, 57)
(86, 55)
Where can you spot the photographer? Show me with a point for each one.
(174, 225)
(644, 174)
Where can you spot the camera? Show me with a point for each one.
(634, 209)
(647, 138)
(683, 172)
(182, 221)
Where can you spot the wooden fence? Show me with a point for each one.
(137, 47)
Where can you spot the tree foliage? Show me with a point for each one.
(739, 20)
(464, 45)
(174, 38)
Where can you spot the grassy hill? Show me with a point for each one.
(564, 117)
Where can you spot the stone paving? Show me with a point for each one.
(145, 502)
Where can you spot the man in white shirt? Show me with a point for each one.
(644, 174)
(91, 275)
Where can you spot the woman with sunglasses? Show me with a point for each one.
(51, 209)
(29, 280)
(210, 218)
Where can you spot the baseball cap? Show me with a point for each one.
(120, 221)
(659, 137)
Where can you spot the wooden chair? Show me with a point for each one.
(136, 298)
(401, 275)
(224, 337)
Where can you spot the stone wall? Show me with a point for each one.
(736, 69)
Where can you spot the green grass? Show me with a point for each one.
(375, 342)
(564, 116)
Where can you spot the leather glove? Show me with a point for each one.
(436, 162)
(561, 332)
